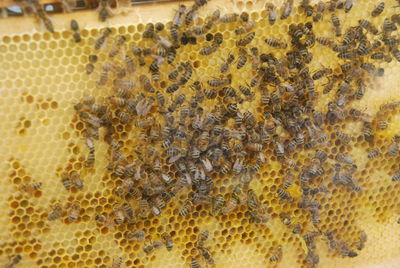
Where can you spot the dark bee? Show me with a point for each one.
(396, 54)
(206, 255)
(167, 241)
(319, 11)
(242, 58)
(48, 24)
(246, 40)
(226, 64)
(336, 24)
(14, 261)
(66, 181)
(284, 195)
(277, 255)
(247, 27)
(396, 177)
(210, 93)
(75, 29)
(208, 50)
(276, 43)
(286, 9)
(55, 213)
(102, 39)
(116, 47)
(272, 14)
(217, 204)
(185, 208)
(172, 88)
(348, 5)
(388, 26)
(74, 212)
(309, 10)
(218, 82)
(378, 9)
(367, 25)
(321, 73)
(137, 51)
(194, 263)
(228, 18)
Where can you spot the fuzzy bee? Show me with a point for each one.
(167, 241)
(55, 212)
(74, 212)
(272, 14)
(276, 43)
(378, 9)
(185, 208)
(277, 255)
(246, 40)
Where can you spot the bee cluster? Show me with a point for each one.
(203, 142)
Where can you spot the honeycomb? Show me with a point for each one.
(50, 220)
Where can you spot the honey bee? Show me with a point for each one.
(104, 10)
(348, 4)
(178, 18)
(284, 195)
(242, 58)
(217, 204)
(136, 235)
(194, 263)
(276, 43)
(102, 39)
(119, 214)
(279, 148)
(378, 9)
(66, 181)
(31, 188)
(286, 9)
(230, 206)
(55, 213)
(272, 14)
(76, 179)
(186, 208)
(228, 18)
(104, 74)
(14, 261)
(362, 240)
(226, 64)
(312, 258)
(309, 10)
(41, 14)
(393, 149)
(367, 25)
(346, 252)
(336, 24)
(169, 244)
(396, 177)
(148, 248)
(321, 73)
(343, 137)
(203, 236)
(117, 263)
(246, 27)
(74, 212)
(75, 29)
(208, 50)
(277, 255)
(246, 40)
(320, 10)
(137, 51)
(206, 255)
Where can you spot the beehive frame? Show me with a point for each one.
(43, 76)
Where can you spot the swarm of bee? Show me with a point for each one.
(209, 134)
